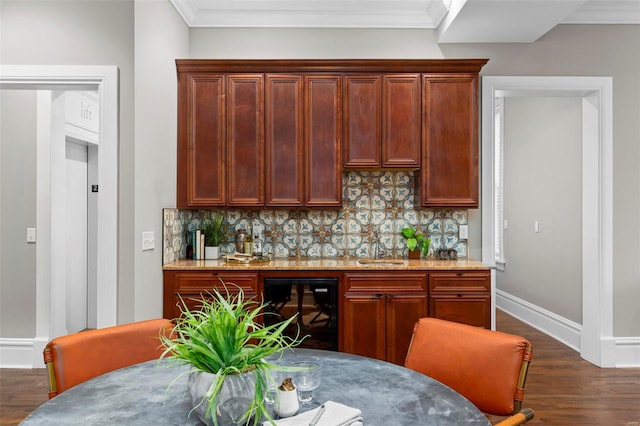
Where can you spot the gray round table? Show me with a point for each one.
(387, 394)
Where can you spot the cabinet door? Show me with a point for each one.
(201, 141)
(364, 325)
(192, 286)
(245, 132)
(362, 120)
(323, 135)
(284, 140)
(472, 309)
(402, 312)
(449, 174)
(401, 122)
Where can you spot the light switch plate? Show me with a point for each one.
(464, 232)
(31, 235)
(148, 241)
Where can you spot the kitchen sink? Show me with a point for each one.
(381, 261)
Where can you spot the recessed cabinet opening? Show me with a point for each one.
(315, 300)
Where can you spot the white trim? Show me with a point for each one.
(625, 350)
(597, 209)
(104, 79)
(560, 328)
(22, 353)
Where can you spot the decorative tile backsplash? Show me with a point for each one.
(375, 203)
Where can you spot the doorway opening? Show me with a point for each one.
(593, 337)
(50, 321)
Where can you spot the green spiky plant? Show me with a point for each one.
(226, 337)
(416, 240)
(213, 230)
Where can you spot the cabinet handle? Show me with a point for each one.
(459, 274)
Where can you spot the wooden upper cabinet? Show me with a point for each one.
(323, 136)
(361, 103)
(277, 133)
(201, 140)
(382, 121)
(401, 125)
(245, 140)
(284, 140)
(449, 173)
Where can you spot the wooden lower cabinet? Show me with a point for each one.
(379, 312)
(193, 285)
(461, 296)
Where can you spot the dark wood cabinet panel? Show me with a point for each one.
(364, 325)
(461, 296)
(361, 103)
(386, 304)
(201, 141)
(467, 309)
(449, 173)
(373, 282)
(402, 312)
(193, 285)
(284, 140)
(323, 136)
(245, 139)
(401, 120)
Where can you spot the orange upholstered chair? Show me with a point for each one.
(488, 367)
(78, 357)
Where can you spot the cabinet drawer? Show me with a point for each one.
(385, 282)
(190, 282)
(474, 309)
(459, 281)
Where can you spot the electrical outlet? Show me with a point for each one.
(148, 241)
(463, 232)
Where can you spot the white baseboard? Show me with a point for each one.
(625, 351)
(22, 353)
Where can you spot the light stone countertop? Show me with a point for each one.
(333, 264)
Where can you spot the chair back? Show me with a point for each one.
(78, 357)
(488, 367)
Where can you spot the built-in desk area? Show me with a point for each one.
(377, 303)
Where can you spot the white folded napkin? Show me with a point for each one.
(335, 414)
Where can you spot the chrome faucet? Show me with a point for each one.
(378, 248)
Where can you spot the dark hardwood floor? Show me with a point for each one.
(562, 388)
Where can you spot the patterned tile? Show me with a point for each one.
(375, 204)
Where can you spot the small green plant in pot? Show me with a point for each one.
(226, 345)
(416, 242)
(214, 232)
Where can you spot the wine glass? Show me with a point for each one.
(274, 379)
(306, 380)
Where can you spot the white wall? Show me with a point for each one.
(160, 37)
(543, 183)
(17, 213)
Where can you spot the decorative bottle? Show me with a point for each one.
(248, 243)
(257, 244)
(241, 235)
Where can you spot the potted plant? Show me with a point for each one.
(226, 345)
(214, 230)
(417, 243)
